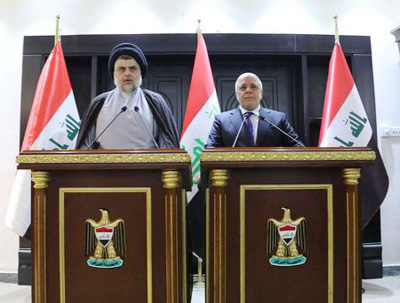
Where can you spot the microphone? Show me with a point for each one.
(282, 131)
(123, 109)
(237, 136)
(151, 135)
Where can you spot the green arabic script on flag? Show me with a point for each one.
(71, 127)
(357, 125)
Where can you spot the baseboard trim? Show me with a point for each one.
(372, 260)
(391, 271)
(9, 277)
(24, 267)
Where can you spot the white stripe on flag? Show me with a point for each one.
(62, 130)
(351, 126)
(18, 217)
(196, 135)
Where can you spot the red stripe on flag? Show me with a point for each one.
(103, 229)
(287, 228)
(339, 85)
(52, 89)
(201, 85)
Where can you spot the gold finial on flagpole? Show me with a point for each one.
(198, 26)
(336, 29)
(57, 36)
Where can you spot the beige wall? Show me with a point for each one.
(357, 17)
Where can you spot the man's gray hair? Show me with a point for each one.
(247, 74)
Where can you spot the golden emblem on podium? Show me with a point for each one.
(286, 240)
(105, 242)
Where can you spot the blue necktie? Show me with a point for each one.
(249, 127)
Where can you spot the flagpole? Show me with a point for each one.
(198, 31)
(57, 36)
(336, 29)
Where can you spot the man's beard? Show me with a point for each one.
(128, 89)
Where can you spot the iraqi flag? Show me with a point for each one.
(344, 120)
(53, 125)
(345, 124)
(201, 108)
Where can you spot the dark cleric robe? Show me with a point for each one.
(168, 136)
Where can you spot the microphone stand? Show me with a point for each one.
(282, 131)
(237, 136)
(123, 109)
(151, 135)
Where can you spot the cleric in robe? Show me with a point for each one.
(140, 112)
(250, 124)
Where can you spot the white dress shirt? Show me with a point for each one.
(254, 119)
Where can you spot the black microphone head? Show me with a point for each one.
(124, 108)
(136, 109)
(263, 118)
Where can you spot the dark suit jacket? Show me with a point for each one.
(226, 127)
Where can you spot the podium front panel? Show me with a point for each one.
(249, 205)
(109, 226)
(82, 282)
(144, 233)
(281, 283)
(283, 229)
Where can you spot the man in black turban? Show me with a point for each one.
(140, 111)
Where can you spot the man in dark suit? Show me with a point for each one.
(256, 126)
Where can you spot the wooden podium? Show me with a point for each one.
(109, 226)
(283, 224)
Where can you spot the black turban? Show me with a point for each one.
(128, 49)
